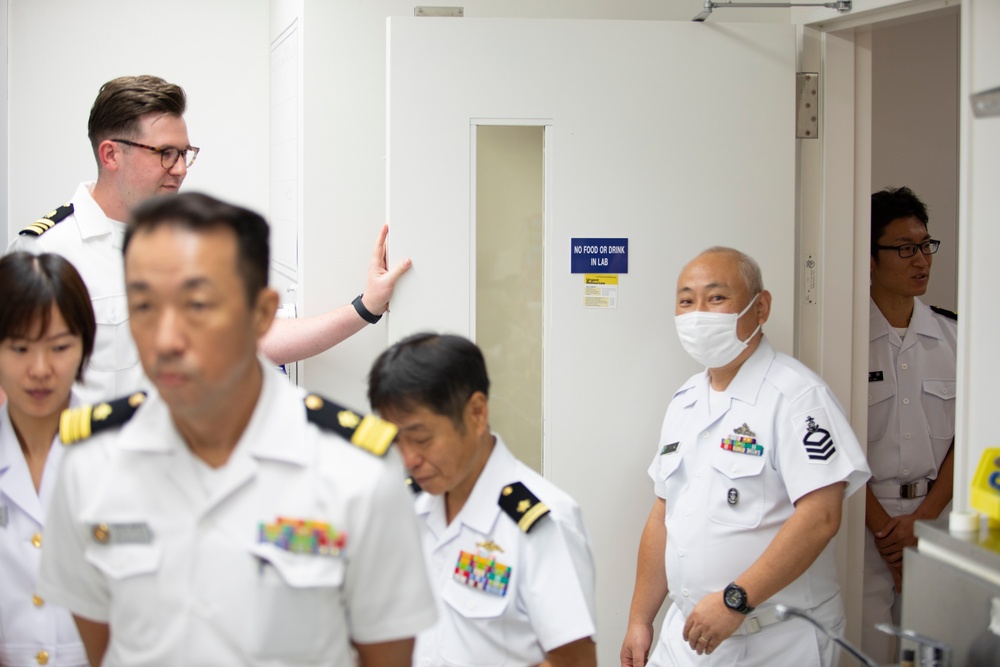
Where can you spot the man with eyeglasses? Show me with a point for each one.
(141, 145)
(911, 405)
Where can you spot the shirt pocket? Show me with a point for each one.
(736, 496)
(880, 402)
(476, 636)
(114, 349)
(131, 573)
(938, 398)
(296, 610)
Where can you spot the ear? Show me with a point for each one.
(264, 310)
(477, 413)
(763, 307)
(109, 155)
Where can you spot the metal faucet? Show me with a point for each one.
(933, 653)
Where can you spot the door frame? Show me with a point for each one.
(834, 187)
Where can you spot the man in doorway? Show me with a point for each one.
(227, 518)
(140, 141)
(509, 553)
(911, 405)
(754, 461)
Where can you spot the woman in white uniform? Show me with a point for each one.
(46, 336)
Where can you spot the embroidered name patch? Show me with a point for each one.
(818, 441)
(483, 573)
(742, 444)
(303, 536)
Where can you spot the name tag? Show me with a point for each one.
(875, 376)
(670, 449)
(3, 516)
(121, 533)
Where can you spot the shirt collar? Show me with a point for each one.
(272, 432)
(90, 217)
(922, 322)
(482, 507)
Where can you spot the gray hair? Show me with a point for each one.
(748, 267)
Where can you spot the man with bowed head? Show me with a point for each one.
(754, 461)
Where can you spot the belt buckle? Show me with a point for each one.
(908, 490)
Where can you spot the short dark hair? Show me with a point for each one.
(438, 371)
(31, 285)
(200, 212)
(123, 101)
(891, 204)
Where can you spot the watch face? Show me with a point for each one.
(734, 597)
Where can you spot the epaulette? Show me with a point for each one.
(47, 221)
(412, 483)
(370, 433)
(76, 424)
(522, 506)
(944, 312)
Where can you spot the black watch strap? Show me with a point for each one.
(365, 314)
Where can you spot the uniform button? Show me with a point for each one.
(705, 434)
(907, 436)
(732, 468)
(42, 657)
(903, 366)
(686, 593)
(37, 601)
(906, 401)
(869, 397)
(905, 472)
(681, 552)
(36, 541)
(425, 661)
(697, 475)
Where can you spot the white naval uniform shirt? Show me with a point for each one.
(549, 601)
(724, 507)
(33, 631)
(92, 243)
(184, 579)
(911, 399)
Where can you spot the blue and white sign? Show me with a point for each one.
(599, 255)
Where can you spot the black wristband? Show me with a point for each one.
(365, 314)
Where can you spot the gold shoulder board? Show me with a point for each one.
(47, 221)
(370, 433)
(522, 505)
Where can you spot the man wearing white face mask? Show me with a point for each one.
(754, 460)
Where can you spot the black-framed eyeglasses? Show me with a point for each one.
(168, 155)
(906, 250)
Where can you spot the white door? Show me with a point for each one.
(676, 136)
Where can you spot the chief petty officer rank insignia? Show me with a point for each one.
(818, 442)
(47, 221)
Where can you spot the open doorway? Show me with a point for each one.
(915, 128)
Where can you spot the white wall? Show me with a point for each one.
(978, 361)
(4, 212)
(915, 77)
(344, 175)
(62, 51)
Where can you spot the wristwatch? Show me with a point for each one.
(735, 598)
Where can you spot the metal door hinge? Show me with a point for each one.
(806, 105)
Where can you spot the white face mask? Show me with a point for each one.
(711, 338)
